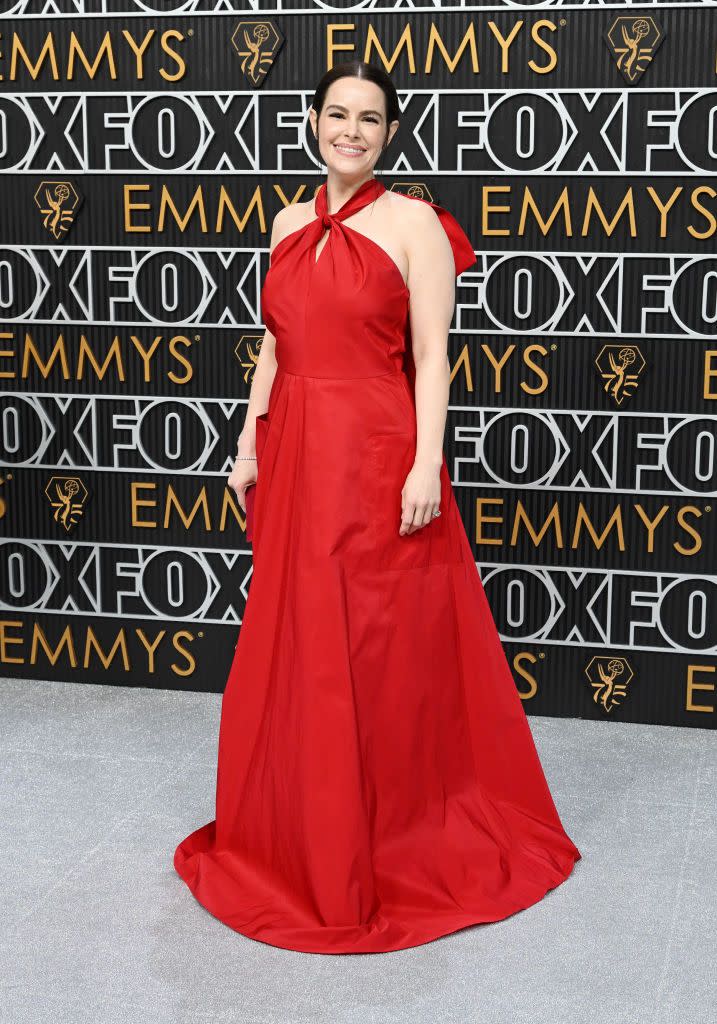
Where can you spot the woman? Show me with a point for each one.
(377, 783)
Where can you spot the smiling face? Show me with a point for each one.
(352, 127)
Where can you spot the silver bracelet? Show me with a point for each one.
(244, 457)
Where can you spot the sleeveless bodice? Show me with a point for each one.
(345, 314)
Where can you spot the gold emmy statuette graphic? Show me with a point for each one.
(413, 188)
(609, 678)
(620, 366)
(251, 345)
(257, 43)
(67, 496)
(633, 43)
(58, 202)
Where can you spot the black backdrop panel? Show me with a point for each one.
(144, 153)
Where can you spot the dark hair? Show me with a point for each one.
(359, 69)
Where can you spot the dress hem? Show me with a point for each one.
(372, 939)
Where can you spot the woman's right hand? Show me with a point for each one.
(243, 475)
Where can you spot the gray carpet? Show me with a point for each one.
(100, 783)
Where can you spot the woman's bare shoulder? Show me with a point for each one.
(418, 227)
(411, 219)
(406, 206)
(290, 218)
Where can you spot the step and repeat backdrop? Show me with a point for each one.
(145, 148)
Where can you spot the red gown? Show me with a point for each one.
(377, 784)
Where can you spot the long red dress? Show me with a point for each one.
(377, 785)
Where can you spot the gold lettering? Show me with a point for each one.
(150, 647)
(256, 201)
(553, 517)
(127, 190)
(145, 354)
(488, 209)
(6, 640)
(201, 502)
(543, 69)
(104, 51)
(172, 33)
(681, 513)
(615, 519)
(435, 41)
(481, 518)
(463, 363)
(91, 642)
(167, 201)
(139, 49)
(38, 637)
(58, 352)
(173, 343)
(191, 662)
(498, 364)
(710, 372)
(651, 524)
(135, 503)
(708, 215)
(524, 674)
(18, 51)
(333, 47)
(114, 354)
(561, 204)
(692, 686)
(664, 208)
(540, 372)
(505, 43)
(594, 203)
(7, 353)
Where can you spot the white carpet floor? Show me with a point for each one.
(100, 783)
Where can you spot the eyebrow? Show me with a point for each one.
(339, 107)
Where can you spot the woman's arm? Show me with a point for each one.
(432, 284)
(265, 369)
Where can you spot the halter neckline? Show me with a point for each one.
(366, 193)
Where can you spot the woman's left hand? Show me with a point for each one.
(420, 497)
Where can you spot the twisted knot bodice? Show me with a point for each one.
(364, 194)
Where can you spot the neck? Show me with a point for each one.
(339, 191)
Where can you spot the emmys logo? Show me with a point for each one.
(609, 678)
(257, 43)
(620, 366)
(247, 352)
(633, 42)
(58, 202)
(415, 189)
(67, 496)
